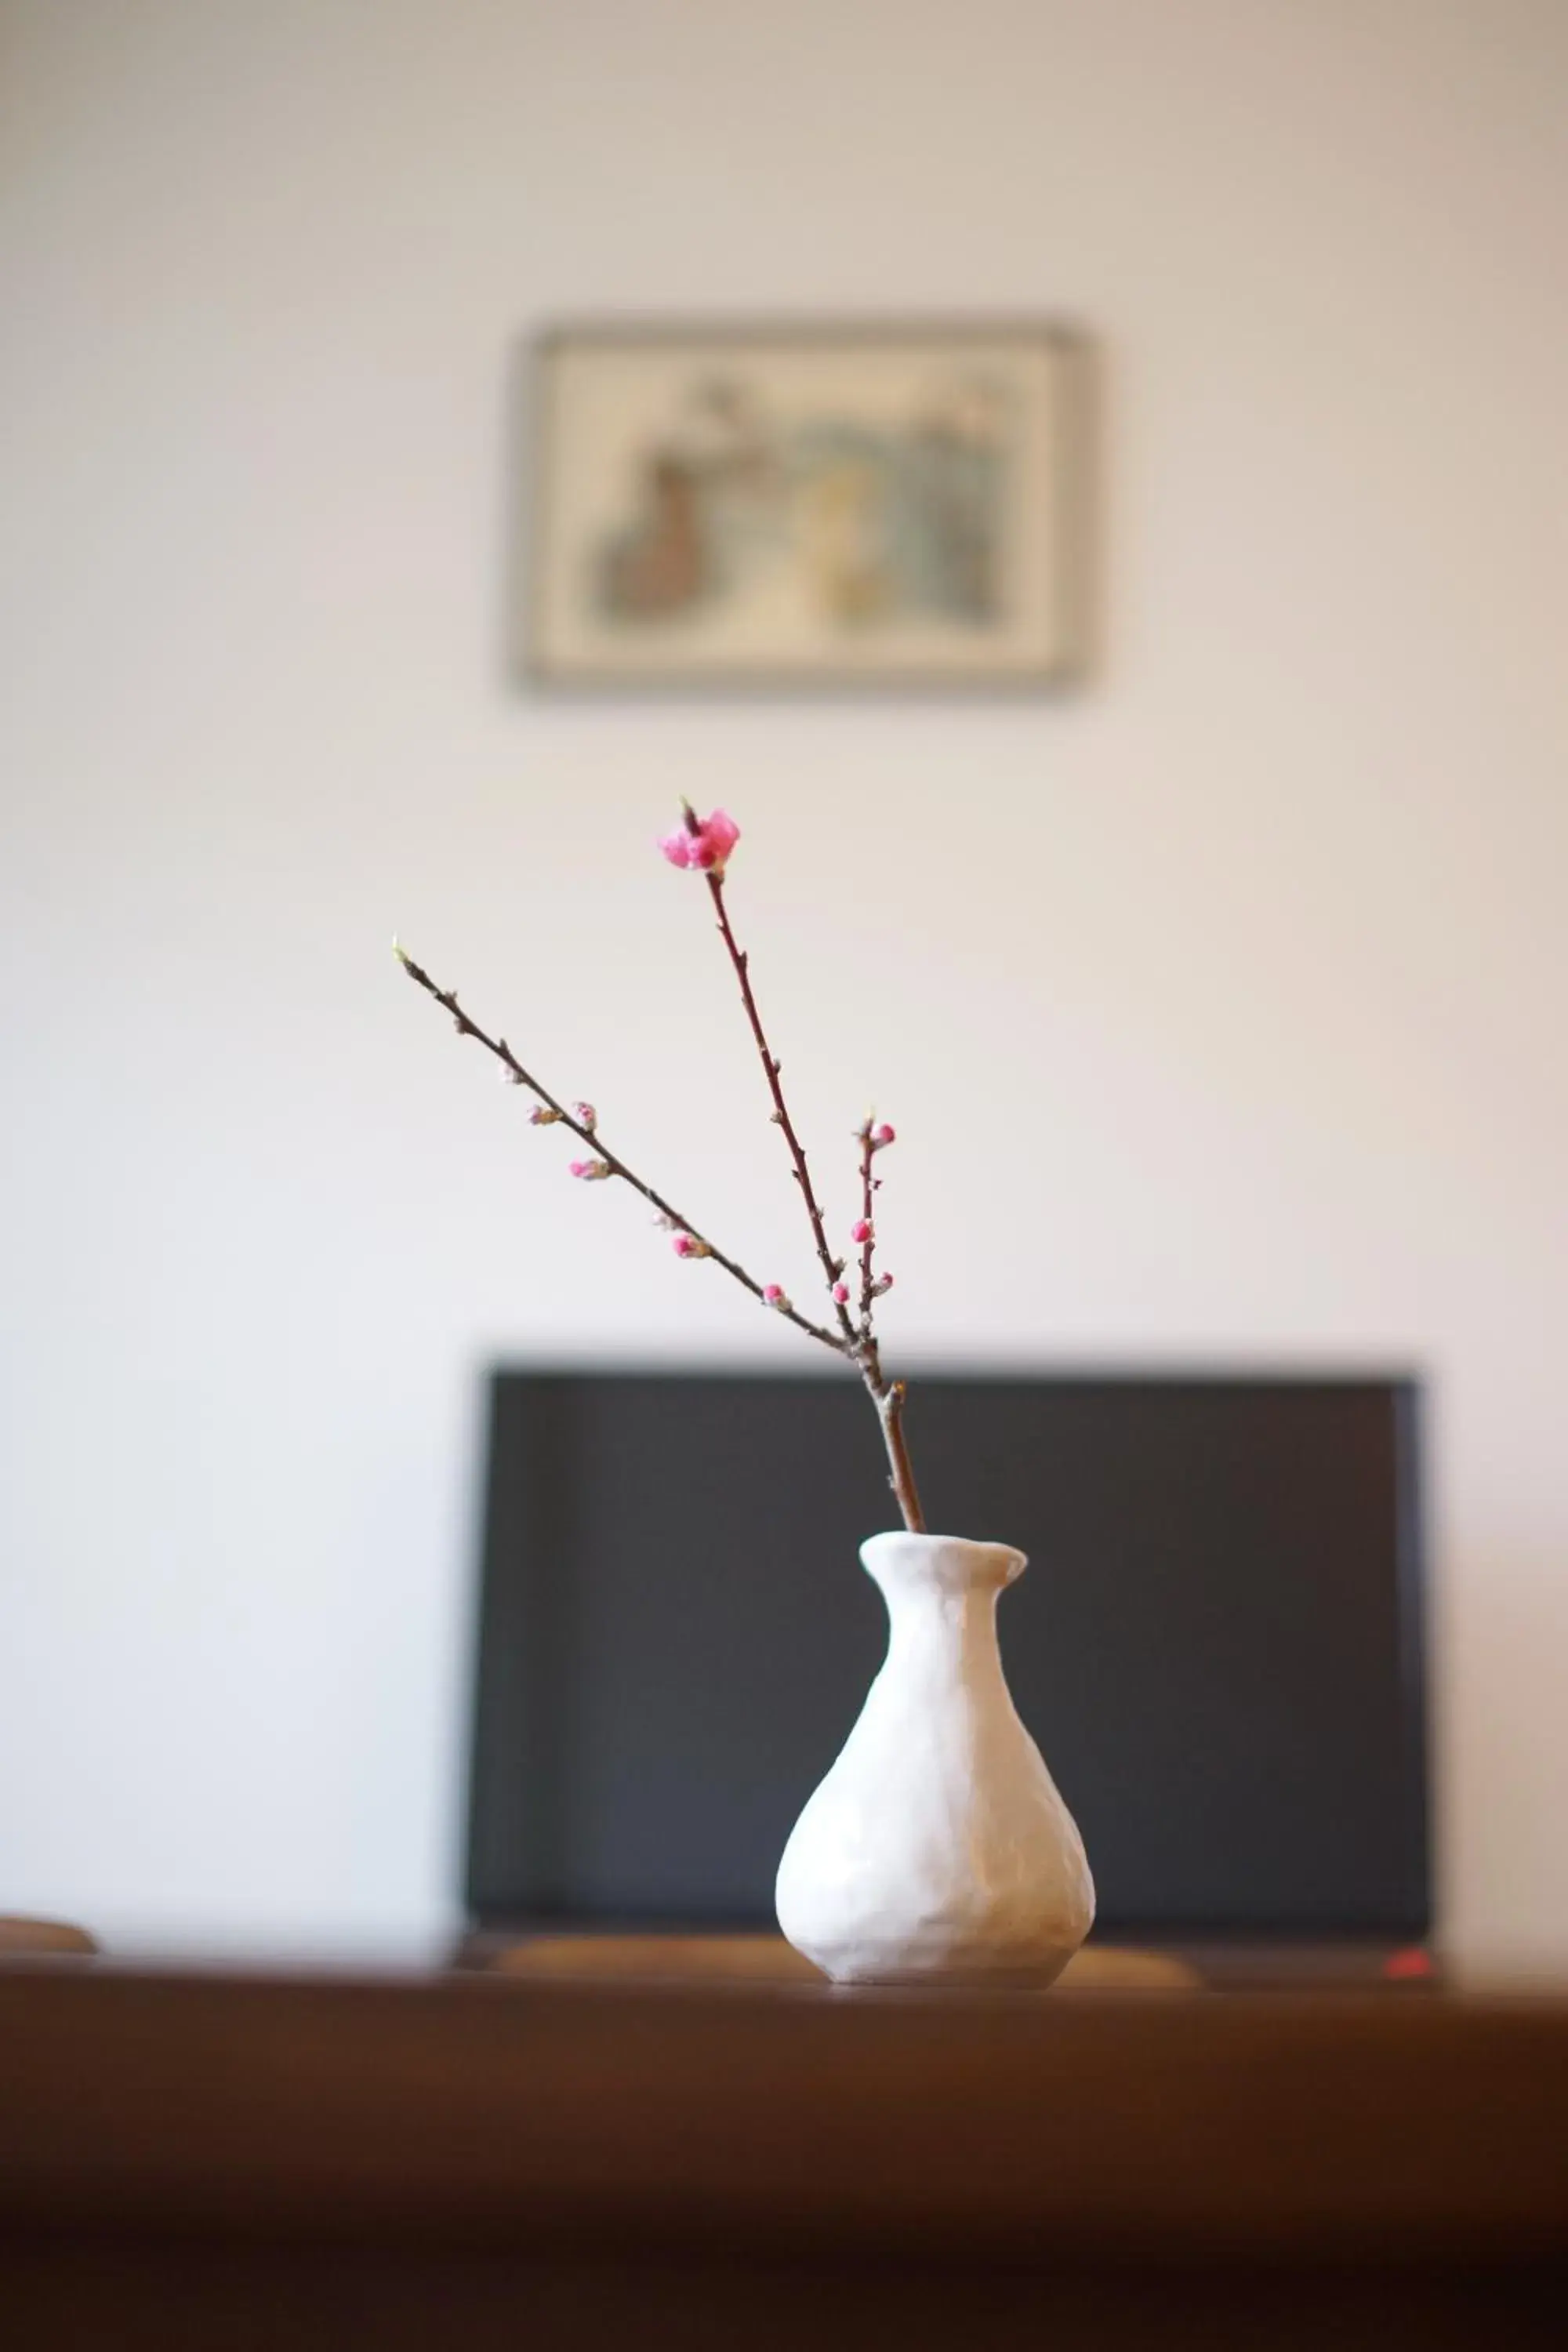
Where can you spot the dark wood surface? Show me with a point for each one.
(223, 2161)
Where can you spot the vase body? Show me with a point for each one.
(937, 1848)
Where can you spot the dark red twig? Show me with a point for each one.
(889, 1399)
(859, 1345)
(832, 1268)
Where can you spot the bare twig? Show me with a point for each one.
(467, 1028)
(888, 1398)
(832, 1268)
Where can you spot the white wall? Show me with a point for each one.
(1221, 1009)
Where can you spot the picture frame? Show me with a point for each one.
(713, 506)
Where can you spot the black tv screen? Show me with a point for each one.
(1217, 1643)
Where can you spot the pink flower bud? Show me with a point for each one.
(862, 1230)
(883, 1282)
(884, 1135)
(585, 1116)
(773, 1296)
(683, 1245)
(591, 1171)
(703, 844)
(841, 1293)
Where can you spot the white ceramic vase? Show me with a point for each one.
(937, 1848)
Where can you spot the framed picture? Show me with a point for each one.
(829, 507)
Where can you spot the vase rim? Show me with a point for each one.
(1005, 1560)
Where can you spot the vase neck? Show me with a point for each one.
(941, 1593)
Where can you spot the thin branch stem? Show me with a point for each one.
(888, 1398)
(831, 1266)
(467, 1028)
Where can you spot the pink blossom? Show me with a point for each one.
(862, 1230)
(883, 1135)
(591, 1171)
(585, 1115)
(773, 1296)
(688, 1245)
(703, 844)
(841, 1293)
(883, 1282)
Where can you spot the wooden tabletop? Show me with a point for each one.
(1439, 2125)
(756, 2123)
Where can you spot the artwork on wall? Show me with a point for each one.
(832, 507)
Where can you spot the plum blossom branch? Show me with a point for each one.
(886, 1395)
(871, 1140)
(864, 1229)
(702, 844)
(582, 1121)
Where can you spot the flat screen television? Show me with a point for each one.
(1217, 1643)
